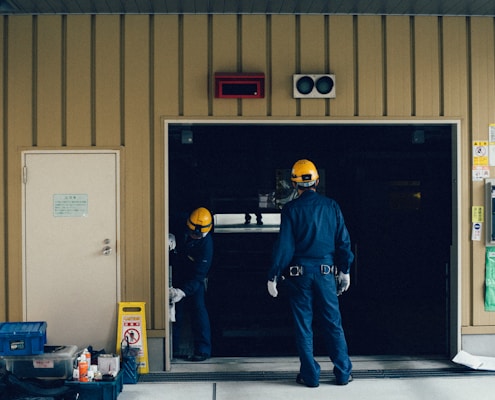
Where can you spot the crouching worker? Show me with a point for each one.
(190, 273)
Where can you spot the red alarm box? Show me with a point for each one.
(239, 85)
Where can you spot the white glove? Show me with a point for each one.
(343, 282)
(176, 295)
(272, 287)
(171, 312)
(171, 242)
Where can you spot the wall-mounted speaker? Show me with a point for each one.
(313, 86)
(239, 85)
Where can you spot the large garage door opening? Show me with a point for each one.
(395, 185)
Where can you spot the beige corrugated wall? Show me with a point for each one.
(109, 80)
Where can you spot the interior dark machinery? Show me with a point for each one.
(394, 185)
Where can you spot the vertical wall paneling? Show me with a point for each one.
(19, 132)
(313, 58)
(156, 274)
(341, 62)
(482, 75)
(3, 90)
(78, 81)
(107, 91)
(49, 81)
(426, 67)
(165, 91)
(195, 65)
(166, 68)
(253, 58)
(483, 101)
(398, 68)
(455, 100)
(283, 64)
(138, 158)
(455, 66)
(224, 59)
(370, 66)
(166, 102)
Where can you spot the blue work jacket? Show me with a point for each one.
(312, 232)
(194, 262)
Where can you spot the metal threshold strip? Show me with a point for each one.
(246, 369)
(290, 375)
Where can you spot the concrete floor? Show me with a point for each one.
(385, 378)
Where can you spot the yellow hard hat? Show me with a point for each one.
(200, 221)
(304, 173)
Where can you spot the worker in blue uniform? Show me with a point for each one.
(313, 253)
(190, 274)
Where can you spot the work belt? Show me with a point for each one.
(298, 270)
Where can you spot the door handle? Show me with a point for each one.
(107, 250)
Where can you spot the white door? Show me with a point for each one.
(71, 272)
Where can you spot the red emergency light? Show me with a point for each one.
(239, 85)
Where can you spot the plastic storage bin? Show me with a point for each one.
(56, 362)
(22, 338)
(102, 390)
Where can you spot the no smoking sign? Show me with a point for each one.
(132, 330)
(132, 336)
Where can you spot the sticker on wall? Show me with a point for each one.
(481, 169)
(480, 152)
(476, 232)
(480, 172)
(477, 218)
(477, 214)
(491, 144)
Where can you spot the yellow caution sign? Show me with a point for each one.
(132, 331)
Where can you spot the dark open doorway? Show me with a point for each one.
(394, 185)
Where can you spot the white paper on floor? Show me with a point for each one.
(475, 362)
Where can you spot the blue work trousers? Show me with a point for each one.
(316, 292)
(200, 321)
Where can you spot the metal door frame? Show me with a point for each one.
(455, 267)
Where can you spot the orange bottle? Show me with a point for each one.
(83, 369)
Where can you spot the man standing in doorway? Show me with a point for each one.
(313, 250)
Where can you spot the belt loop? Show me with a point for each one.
(326, 269)
(295, 270)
